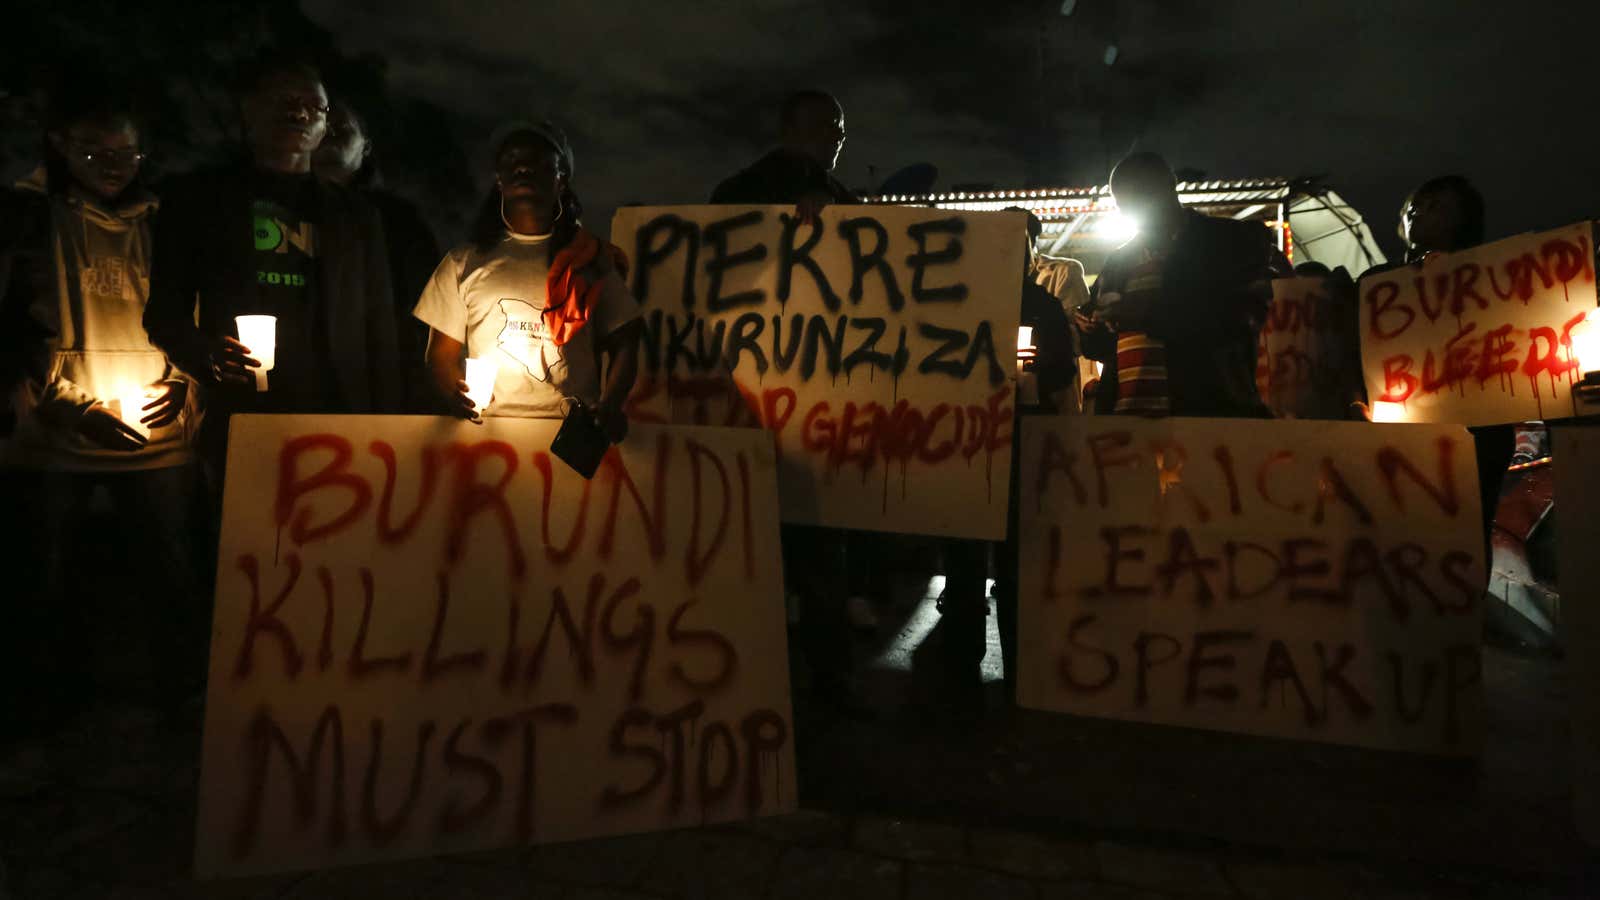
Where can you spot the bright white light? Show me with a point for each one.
(480, 377)
(1384, 411)
(1586, 344)
(133, 400)
(1118, 228)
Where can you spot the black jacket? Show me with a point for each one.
(1213, 300)
(781, 176)
(1056, 364)
(413, 255)
(202, 260)
(26, 271)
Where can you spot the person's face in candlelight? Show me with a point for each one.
(102, 156)
(528, 171)
(344, 149)
(285, 118)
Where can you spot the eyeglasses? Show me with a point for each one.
(121, 157)
(311, 106)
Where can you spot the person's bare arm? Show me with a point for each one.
(621, 347)
(448, 373)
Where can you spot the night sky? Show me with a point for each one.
(664, 99)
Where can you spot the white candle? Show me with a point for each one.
(260, 334)
(1384, 411)
(481, 374)
(133, 401)
(1024, 337)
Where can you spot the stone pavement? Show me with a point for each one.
(1025, 805)
(104, 809)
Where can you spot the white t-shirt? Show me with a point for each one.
(494, 303)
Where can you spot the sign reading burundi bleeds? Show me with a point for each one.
(1483, 336)
(1311, 580)
(429, 638)
(878, 344)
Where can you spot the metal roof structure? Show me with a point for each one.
(1080, 222)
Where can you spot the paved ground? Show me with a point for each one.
(1028, 805)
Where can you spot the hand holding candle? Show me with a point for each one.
(133, 401)
(257, 343)
(481, 374)
(103, 427)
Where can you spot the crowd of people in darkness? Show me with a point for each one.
(121, 361)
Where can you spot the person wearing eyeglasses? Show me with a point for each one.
(263, 236)
(99, 407)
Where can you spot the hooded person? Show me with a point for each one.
(536, 293)
(99, 406)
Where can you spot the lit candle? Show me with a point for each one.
(260, 334)
(1586, 345)
(1025, 348)
(480, 381)
(1384, 411)
(133, 401)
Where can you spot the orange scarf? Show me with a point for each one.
(573, 291)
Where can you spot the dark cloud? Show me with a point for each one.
(665, 99)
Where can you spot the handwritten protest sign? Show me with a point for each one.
(430, 637)
(1311, 580)
(1577, 458)
(1489, 335)
(879, 346)
(1306, 366)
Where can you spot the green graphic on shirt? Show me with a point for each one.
(274, 233)
(268, 235)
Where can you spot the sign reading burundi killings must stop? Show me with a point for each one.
(430, 637)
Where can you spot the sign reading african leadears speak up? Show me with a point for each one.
(1312, 580)
(878, 344)
(1495, 334)
(432, 637)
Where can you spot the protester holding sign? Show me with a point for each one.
(1445, 215)
(102, 410)
(316, 264)
(1048, 367)
(1175, 313)
(800, 171)
(536, 293)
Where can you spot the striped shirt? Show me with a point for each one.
(1141, 359)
